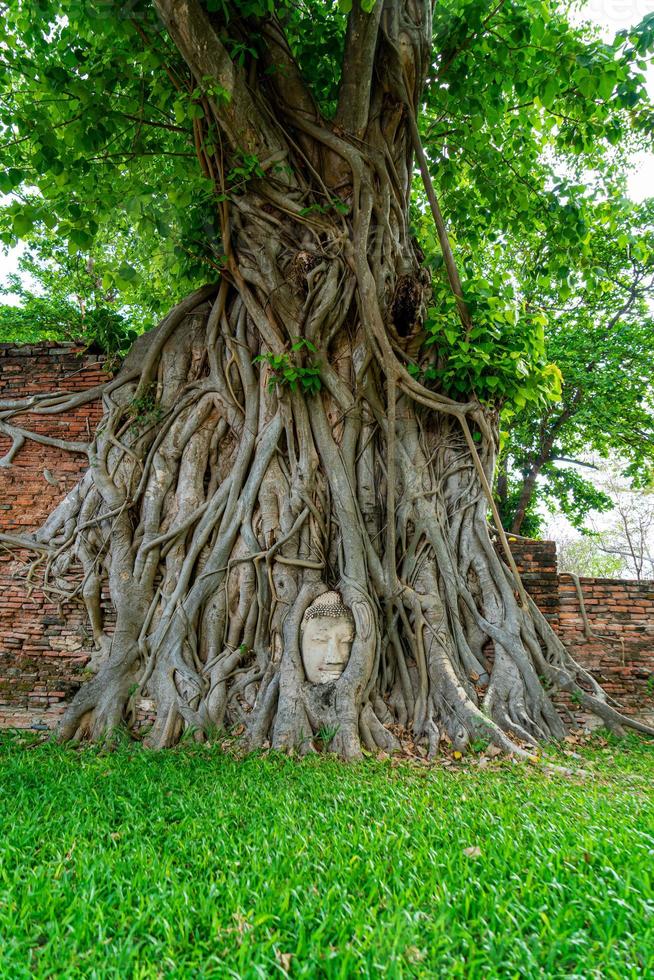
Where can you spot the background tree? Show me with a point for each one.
(600, 333)
(629, 538)
(585, 556)
(65, 300)
(299, 423)
(104, 294)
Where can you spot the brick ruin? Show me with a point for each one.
(44, 647)
(606, 623)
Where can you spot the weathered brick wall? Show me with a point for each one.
(44, 648)
(538, 568)
(619, 652)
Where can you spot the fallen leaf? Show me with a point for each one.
(284, 960)
(457, 755)
(242, 924)
(472, 852)
(493, 751)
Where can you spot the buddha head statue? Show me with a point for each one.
(327, 633)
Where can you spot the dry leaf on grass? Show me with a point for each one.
(284, 960)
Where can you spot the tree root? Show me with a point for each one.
(216, 522)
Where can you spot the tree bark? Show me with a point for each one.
(545, 455)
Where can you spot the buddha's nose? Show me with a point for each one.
(332, 649)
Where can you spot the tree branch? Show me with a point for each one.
(358, 65)
(237, 114)
(283, 72)
(443, 238)
(577, 462)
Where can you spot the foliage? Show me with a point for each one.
(582, 556)
(510, 152)
(516, 94)
(528, 122)
(529, 163)
(91, 141)
(501, 359)
(144, 410)
(601, 334)
(561, 489)
(38, 318)
(288, 368)
(194, 863)
(67, 295)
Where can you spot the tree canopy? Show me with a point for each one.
(600, 334)
(526, 121)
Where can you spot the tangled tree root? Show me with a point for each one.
(220, 504)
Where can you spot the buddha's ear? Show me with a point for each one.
(362, 619)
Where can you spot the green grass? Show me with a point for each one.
(193, 864)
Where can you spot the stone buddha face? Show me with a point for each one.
(327, 633)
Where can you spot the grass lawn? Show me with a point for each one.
(190, 863)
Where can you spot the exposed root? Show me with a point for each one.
(217, 517)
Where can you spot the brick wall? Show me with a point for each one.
(44, 648)
(536, 561)
(619, 651)
(617, 645)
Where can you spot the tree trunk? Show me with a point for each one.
(526, 494)
(266, 444)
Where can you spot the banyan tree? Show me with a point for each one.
(291, 517)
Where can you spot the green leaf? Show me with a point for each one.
(22, 224)
(127, 272)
